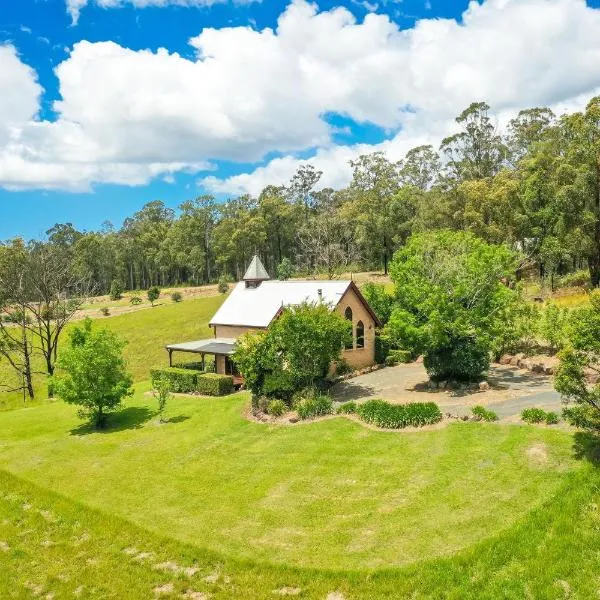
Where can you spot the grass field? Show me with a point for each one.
(468, 511)
(147, 331)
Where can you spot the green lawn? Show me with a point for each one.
(147, 331)
(471, 510)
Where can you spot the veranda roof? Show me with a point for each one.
(220, 346)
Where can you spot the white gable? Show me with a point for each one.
(257, 307)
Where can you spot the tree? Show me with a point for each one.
(92, 373)
(379, 300)
(578, 361)
(295, 352)
(450, 294)
(162, 393)
(285, 269)
(116, 290)
(420, 168)
(153, 294)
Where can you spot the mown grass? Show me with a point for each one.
(331, 493)
(471, 511)
(147, 331)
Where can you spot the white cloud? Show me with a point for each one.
(126, 116)
(74, 6)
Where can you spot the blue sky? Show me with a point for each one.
(384, 108)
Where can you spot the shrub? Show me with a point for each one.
(396, 416)
(213, 384)
(223, 286)
(181, 381)
(553, 326)
(314, 406)
(276, 408)
(464, 359)
(116, 290)
(483, 414)
(342, 367)
(347, 408)
(382, 348)
(551, 418)
(177, 297)
(153, 294)
(577, 279)
(195, 366)
(162, 393)
(533, 415)
(104, 311)
(379, 300)
(396, 357)
(279, 384)
(285, 269)
(135, 300)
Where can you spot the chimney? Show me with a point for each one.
(320, 292)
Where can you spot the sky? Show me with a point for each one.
(109, 104)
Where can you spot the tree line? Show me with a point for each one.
(534, 187)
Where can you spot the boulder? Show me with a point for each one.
(548, 370)
(515, 361)
(432, 385)
(419, 359)
(505, 359)
(484, 386)
(538, 368)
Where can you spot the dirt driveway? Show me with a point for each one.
(511, 390)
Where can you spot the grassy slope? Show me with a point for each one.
(147, 331)
(327, 495)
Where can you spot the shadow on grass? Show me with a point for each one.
(177, 419)
(587, 447)
(132, 417)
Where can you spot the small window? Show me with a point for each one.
(348, 315)
(360, 335)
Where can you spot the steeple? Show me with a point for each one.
(256, 273)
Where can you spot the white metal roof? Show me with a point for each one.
(257, 307)
(208, 346)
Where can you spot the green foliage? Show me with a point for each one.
(577, 360)
(314, 405)
(396, 357)
(177, 297)
(135, 300)
(347, 408)
(554, 325)
(533, 415)
(213, 384)
(397, 416)
(116, 290)
(379, 300)
(483, 414)
(382, 347)
(105, 311)
(223, 285)
(552, 418)
(285, 269)
(577, 279)
(180, 381)
(295, 353)
(463, 359)
(162, 393)
(342, 367)
(277, 407)
(92, 373)
(452, 304)
(153, 294)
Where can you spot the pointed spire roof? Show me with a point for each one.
(256, 271)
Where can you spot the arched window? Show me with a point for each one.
(348, 315)
(360, 335)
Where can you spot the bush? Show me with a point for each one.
(213, 384)
(533, 415)
(276, 408)
(104, 311)
(181, 381)
(116, 290)
(279, 384)
(552, 418)
(195, 366)
(396, 357)
(463, 359)
(483, 414)
(314, 406)
(578, 279)
(177, 297)
(153, 294)
(553, 326)
(135, 300)
(348, 408)
(382, 348)
(285, 269)
(223, 286)
(396, 416)
(342, 367)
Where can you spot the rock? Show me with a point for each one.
(432, 385)
(294, 419)
(515, 361)
(419, 359)
(505, 359)
(548, 370)
(538, 368)
(483, 386)
(442, 385)
(465, 417)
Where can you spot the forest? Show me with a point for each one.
(533, 185)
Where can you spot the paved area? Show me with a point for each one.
(511, 390)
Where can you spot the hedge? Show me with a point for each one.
(212, 384)
(396, 416)
(395, 357)
(188, 381)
